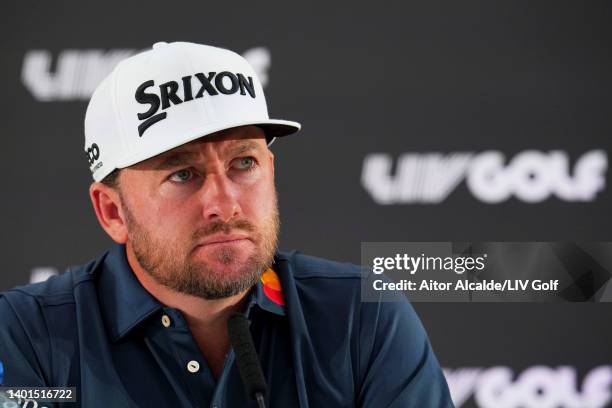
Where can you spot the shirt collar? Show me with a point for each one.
(126, 304)
(124, 301)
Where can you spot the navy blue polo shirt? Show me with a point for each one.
(96, 328)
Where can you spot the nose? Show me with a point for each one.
(219, 200)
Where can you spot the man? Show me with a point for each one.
(177, 141)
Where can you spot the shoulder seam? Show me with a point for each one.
(45, 296)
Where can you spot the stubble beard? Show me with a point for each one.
(172, 266)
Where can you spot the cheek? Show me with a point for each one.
(258, 200)
(165, 218)
(180, 218)
(146, 209)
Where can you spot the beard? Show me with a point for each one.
(172, 264)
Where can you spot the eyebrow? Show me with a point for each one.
(182, 158)
(241, 147)
(175, 160)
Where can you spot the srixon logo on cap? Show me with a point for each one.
(212, 84)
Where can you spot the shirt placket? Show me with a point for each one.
(194, 368)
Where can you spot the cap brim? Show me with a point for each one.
(278, 127)
(273, 128)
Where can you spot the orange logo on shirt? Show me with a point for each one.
(272, 287)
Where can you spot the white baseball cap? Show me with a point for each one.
(170, 95)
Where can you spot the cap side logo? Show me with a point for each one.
(93, 153)
(211, 84)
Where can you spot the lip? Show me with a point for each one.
(223, 239)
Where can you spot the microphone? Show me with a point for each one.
(246, 358)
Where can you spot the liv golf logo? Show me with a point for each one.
(530, 176)
(78, 72)
(535, 387)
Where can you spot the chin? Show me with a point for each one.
(229, 263)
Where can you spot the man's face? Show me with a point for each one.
(202, 219)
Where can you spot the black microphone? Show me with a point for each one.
(246, 358)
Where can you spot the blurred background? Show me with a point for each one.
(422, 121)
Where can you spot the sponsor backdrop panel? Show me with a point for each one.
(428, 121)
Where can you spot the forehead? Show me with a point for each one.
(229, 141)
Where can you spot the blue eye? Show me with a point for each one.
(182, 176)
(245, 163)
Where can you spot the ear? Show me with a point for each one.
(107, 205)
